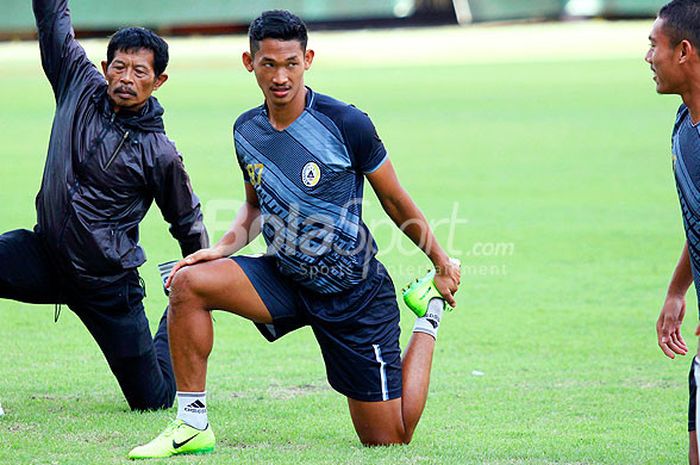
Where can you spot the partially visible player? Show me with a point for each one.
(304, 158)
(674, 56)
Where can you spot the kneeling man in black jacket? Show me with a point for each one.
(108, 160)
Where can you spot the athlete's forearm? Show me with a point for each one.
(245, 228)
(682, 276)
(407, 216)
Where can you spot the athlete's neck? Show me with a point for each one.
(691, 98)
(282, 116)
(694, 108)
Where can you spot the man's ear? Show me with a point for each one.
(104, 67)
(308, 58)
(247, 61)
(160, 80)
(687, 50)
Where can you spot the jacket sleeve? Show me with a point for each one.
(178, 203)
(63, 59)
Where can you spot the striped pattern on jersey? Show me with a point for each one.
(309, 182)
(686, 167)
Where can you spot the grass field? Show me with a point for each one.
(562, 156)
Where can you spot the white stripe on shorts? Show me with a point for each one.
(696, 373)
(382, 371)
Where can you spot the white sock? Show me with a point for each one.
(430, 323)
(192, 409)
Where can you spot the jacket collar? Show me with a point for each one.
(148, 119)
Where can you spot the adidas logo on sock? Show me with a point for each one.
(433, 318)
(196, 407)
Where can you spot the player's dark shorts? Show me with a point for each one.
(357, 330)
(693, 393)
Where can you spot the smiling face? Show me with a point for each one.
(279, 67)
(131, 79)
(665, 60)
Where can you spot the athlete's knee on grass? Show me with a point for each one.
(143, 385)
(384, 438)
(149, 405)
(382, 433)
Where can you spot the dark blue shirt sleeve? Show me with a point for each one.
(246, 176)
(63, 59)
(367, 152)
(680, 114)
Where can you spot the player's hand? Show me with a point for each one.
(668, 327)
(447, 280)
(203, 255)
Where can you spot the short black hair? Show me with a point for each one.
(132, 39)
(277, 24)
(682, 21)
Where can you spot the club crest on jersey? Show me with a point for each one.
(310, 174)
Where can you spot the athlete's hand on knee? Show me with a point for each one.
(203, 255)
(447, 280)
(668, 327)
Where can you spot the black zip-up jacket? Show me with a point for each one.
(103, 170)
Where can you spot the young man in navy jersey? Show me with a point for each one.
(675, 61)
(304, 158)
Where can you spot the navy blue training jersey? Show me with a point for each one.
(686, 166)
(309, 181)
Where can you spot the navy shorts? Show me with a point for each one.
(357, 330)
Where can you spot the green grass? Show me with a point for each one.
(567, 160)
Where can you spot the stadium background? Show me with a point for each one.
(545, 137)
(222, 14)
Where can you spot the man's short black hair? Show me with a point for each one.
(277, 24)
(682, 21)
(132, 39)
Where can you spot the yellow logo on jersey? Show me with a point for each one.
(255, 173)
(310, 174)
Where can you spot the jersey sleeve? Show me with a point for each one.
(680, 114)
(239, 158)
(367, 152)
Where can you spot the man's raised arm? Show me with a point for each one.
(63, 59)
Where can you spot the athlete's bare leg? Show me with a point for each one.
(693, 449)
(195, 291)
(394, 421)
